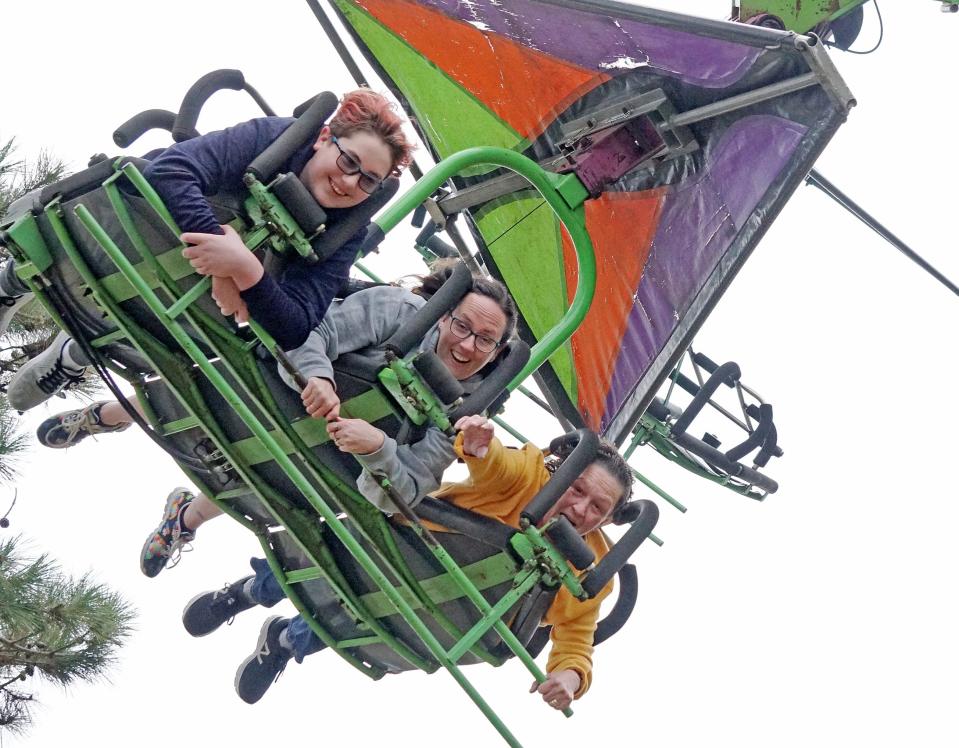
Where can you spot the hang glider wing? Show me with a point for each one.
(690, 135)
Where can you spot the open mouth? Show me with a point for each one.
(458, 359)
(336, 190)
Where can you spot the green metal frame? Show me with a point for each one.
(799, 15)
(237, 379)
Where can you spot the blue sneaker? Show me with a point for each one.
(206, 612)
(165, 544)
(260, 670)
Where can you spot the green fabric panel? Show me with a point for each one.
(172, 261)
(370, 406)
(530, 259)
(452, 118)
(442, 588)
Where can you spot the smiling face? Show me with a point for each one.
(325, 179)
(590, 501)
(460, 355)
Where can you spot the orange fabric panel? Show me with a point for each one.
(523, 87)
(622, 226)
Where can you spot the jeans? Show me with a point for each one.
(266, 591)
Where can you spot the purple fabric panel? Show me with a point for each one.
(607, 45)
(698, 223)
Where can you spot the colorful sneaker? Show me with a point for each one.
(44, 376)
(261, 669)
(165, 544)
(206, 612)
(66, 429)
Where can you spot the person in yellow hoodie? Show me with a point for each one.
(502, 481)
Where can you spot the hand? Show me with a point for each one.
(320, 400)
(224, 255)
(477, 435)
(558, 689)
(227, 297)
(355, 436)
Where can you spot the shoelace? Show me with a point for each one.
(178, 546)
(223, 597)
(265, 652)
(58, 378)
(76, 421)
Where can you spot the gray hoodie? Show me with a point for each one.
(363, 321)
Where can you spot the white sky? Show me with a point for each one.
(821, 616)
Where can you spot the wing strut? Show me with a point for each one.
(818, 180)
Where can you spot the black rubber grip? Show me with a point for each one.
(79, 183)
(619, 554)
(465, 522)
(445, 299)
(304, 107)
(440, 248)
(570, 543)
(770, 449)
(582, 456)
(184, 127)
(722, 463)
(701, 359)
(151, 119)
(343, 225)
(627, 590)
(306, 127)
(722, 375)
(511, 363)
(419, 216)
(438, 377)
(374, 236)
(657, 409)
(758, 437)
(308, 213)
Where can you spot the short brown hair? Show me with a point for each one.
(367, 111)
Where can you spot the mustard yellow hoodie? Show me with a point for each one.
(499, 486)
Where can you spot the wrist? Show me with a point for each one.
(248, 274)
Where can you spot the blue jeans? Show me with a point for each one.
(267, 592)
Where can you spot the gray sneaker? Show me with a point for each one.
(44, 376)
(9, 306)
(260, 670)
(66, 429)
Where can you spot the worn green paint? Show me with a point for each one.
(801, 16)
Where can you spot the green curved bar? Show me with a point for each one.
(563, 193)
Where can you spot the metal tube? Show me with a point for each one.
(742, 100)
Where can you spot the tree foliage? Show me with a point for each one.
(53, 627)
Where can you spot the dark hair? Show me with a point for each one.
(483, 285)
(608, 457)
(366, 111)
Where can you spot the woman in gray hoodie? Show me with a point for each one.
(465, 340)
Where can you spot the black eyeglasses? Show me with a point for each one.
(460, 329)
(349, 166)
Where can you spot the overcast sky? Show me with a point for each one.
(825, 615)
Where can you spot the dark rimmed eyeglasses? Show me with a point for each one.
(484, 343)
(348, 164)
